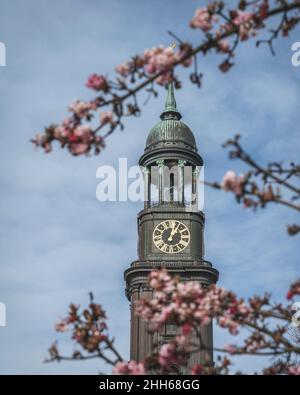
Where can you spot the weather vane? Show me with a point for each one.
(173, 45)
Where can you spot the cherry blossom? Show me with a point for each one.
(197, 369)
(106, 117)
(123, 69)
(97, 82)
(159, 59)
(223, 46)
(294, 370)
(169, 355)
(81, 109)
(203, 19)
(245, 23)
(242, 17)
(129, 368)
(232, 182)
(80, 139)
(223, 29)
(188, 303)
(62, 326)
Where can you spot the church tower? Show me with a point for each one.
(170, 227)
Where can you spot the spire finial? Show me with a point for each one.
(170, 101)
(170, 110)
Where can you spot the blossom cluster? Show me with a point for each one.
(89, 330)
(223, 27)
(155, 60)
(97, 82)
(204, 19)
(243, 187)
(75, 132)
(281, 367)
(234, 183)
(129, 368)
(247, 23)
(190, 304)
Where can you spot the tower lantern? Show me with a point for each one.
(170, 227)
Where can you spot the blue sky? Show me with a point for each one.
(57, 241)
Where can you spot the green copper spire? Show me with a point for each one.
(170, 111)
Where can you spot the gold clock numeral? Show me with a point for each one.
(172, 223)
(164, 247)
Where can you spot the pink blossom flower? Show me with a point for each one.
(242, 17)
(182, 340)
(41, 140)
(227, 322)
(244, 20)
(197, 369)
(80, 108)
(106, 117)
(83, 132)
(62, 326)
(167, 355)
(294, 370)
(97, 82)
(223, 46)
(158, 59)
(123, 69)
(232, 182)
(186, 329)
(78, 148)
(80, 140)
(129, 368)
(225, 66)
(203, 19)
(161, 59)
(61, 132)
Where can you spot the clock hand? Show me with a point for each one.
(170, 238)
(174, 230)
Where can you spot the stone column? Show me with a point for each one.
(160, 163)
(171, 187)
(147, 187)
(195, 185)
(181, 164)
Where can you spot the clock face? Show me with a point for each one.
(171, 236)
